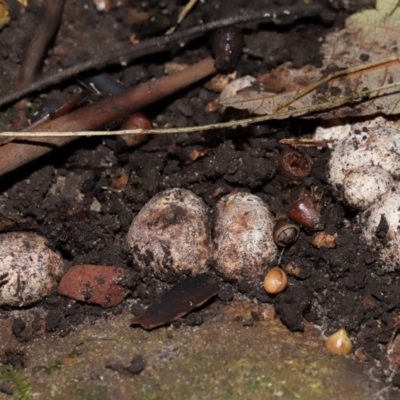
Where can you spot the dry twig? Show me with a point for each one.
(36, 50)
(98, 114)
(159, 44)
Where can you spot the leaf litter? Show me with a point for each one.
(356, 60)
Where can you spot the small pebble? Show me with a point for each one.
(248, 322)
(96, 284)
(137, 365)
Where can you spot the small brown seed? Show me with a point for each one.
(136, 121)
(275, 281)
(285, 233)
(339, 343)
(227, 45)
(294, 167)
(305, 213)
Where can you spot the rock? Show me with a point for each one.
(29, 270)
(96, 284)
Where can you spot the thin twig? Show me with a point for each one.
(98, 114)
(185, 11)
(337, 74)
(159, 44)
(295, 112)
(46, 29)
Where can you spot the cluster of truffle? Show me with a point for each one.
(172, 233)
(364, 162)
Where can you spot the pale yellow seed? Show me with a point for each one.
(275, 281)
(339, 343)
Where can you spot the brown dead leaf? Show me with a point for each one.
(4, 14)
(179, 301)
(359, 58)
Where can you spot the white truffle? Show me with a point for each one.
(171, 234)
(244, 245)
(362, 187)
(29, 270)
(372, 143)
(380, 226)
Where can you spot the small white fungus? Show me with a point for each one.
(362, 187)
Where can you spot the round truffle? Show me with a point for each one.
(244, 244)
(362, 187)
(171, 234)
(29, 270)
(370, 144)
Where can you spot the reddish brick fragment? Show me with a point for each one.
(96, 284)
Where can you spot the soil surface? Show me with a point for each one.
(84, 196)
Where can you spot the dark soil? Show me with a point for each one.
(341, 287)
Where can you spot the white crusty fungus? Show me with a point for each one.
(171, 234)
(29, 270)
(244, 245)
(380, 226)
(363, 186)
(362, 169)
(373, 143)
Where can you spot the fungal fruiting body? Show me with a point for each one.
(373, 143)
(361, 170)
(339, 343)
(171, 234)
(380, 226)
(363, 186)
(275, 281)
(29, 270)
(244, 245)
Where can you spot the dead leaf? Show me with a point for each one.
(356, 61)
(4, 14)
(180, 300)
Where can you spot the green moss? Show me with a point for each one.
(23, 389)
